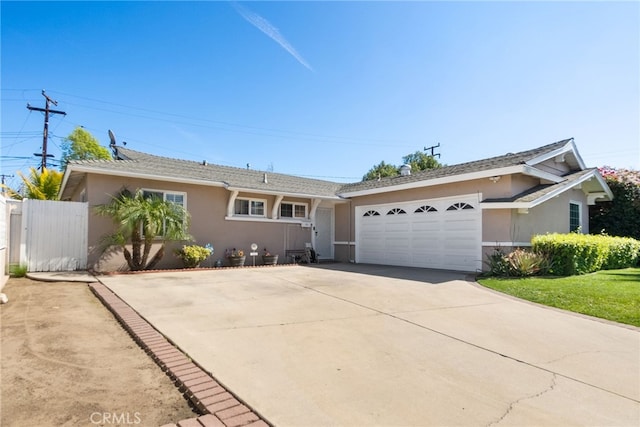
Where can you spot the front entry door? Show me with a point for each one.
(323, 233)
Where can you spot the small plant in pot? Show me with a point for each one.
(193, 255)
(268, 258)
(236, 257)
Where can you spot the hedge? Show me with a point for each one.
(576, 253)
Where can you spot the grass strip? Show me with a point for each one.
(608, 294)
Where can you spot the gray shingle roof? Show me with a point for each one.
(139, 163)
(540, 191)
(135, 162)
(511, 159)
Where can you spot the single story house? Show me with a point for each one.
(445, 218)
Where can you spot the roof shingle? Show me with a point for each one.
(510, 159)
(135, 162)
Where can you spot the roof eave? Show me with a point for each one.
(591, 197)
(509, 170)
(65, 179)
(570, 146)
(129, 174)
(283, 193)
(114, 172)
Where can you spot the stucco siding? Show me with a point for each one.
(207, 207)
(550, 217)
(496, 225)
(521, 183)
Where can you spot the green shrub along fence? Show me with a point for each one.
(576, 253)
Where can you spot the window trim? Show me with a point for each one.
(165, 192)
(250, 200)
(579, 205)
(293, 210)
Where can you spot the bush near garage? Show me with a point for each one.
(519, 263)
(576, 253)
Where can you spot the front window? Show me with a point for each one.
(575, 222)
(168, 196)
(177, 198)
(293, 210)
(249, 207)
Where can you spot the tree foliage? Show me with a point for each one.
(418, 161)
(381, 170)
(81, 145)
(40, 185)
(621, 216)
(142, 221)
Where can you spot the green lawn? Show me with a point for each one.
(611, 294)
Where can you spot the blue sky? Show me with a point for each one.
(323, 89)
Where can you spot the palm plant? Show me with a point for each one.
(142, 221)
(40, 185)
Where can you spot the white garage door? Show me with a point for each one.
(438, 233)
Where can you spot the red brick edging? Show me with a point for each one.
(221, 408)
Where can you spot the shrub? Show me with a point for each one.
(621, 216)
(497, 263)
(520, 262)
(193, 255)
(575, 253)
(526, 263)
(623, 252)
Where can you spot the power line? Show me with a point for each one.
(231, 127)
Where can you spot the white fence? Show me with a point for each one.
(52, 235)
(4, 256)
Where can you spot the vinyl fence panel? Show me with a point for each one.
(4, 226)
(54, 235)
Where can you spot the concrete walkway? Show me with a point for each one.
(364, 345)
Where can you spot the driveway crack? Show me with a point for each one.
(515, 402)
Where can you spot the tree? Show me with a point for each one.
(381, 170)
(81, 145)
(142, 220)
(419, 161)
(40, 185)
(621, 216)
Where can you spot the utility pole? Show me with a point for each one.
(4, 176)
(433, 147)
(46, 110)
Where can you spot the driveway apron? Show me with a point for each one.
(354, 345)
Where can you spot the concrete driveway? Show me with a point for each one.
(355, 345)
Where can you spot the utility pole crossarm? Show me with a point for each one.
(44, 110)
(432, 148)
